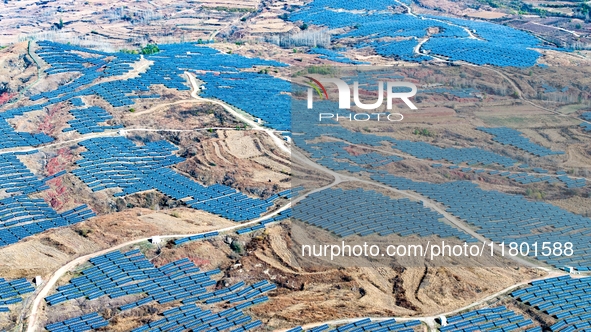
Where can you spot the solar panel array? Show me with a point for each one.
(261, 95)
(525, 178)
(68, 58)
(402, 49)
(90, 64)
(572, 183)
(586, 126)
(515, 48)
(521, 177)
(288, 193)
(77, 102)
(282, 216)
(218, 199)
(334, 156)
(356, 4)
(134, 172)
(195, 238)
(508, 136)
(498, 319)
(540, 170)
(116, 162)
(305, 123)
(87, 120)
(471, 155)
(12, 291)
(22, 216)
(86, 322)
(494, 212)
(55, 175)
(484, 52)
(235, 293)
(566, 299)
(111, 162)
(364, 212)
(366, 324)
(167, 69)
(190, 317)
(250, 229)
(478, 42)
(12, 138)
(527, 219)
(15, 177)
(117, 275)
(548, 88)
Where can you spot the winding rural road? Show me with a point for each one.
(48, 285)
(33, 319)
(253, 124)
(430, 320)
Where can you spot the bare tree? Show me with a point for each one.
(306, 38)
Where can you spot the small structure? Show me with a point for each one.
(38, 281)
(155, 240)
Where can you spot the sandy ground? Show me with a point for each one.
(43, 253)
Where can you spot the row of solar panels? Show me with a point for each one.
(515, 138)
(494, 212)
(498, 319)
(366, 324)
(565, 298)
(305, 123)
(118, 163)
(367, 27)
(170, 282)
(365, 212)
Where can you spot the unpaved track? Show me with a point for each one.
(33, 319)
(36, 305)
(430, 320)
(48, 285)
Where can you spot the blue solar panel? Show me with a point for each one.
(12, 291)
(493, 212)
(488, 319)
(395, 34)
(167, 68)
(87, 120)
(12, 138)
(22, 216)
(241, 88)
(508, 136)
(330, 154)
(565, 298)
(366, 324)
(86, 322)
(365, 212)
(118, 163)
(119, 274)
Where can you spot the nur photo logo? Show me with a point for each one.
(344, 92)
